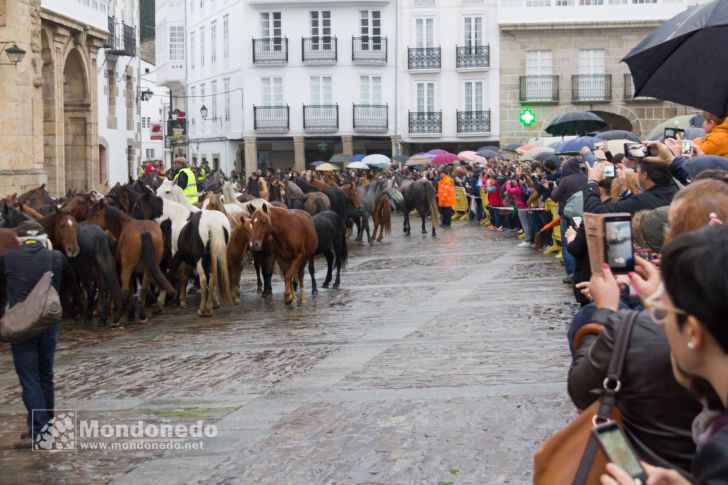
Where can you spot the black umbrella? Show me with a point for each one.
(400, 158)
(576, 123)
(617, 135)
(685, 59)
(512, 147)
(542, 157)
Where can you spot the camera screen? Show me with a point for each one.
(609, 171)
(618, 450)
(618, 247)
(635, 150)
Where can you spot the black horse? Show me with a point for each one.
(211, 183)
(11, 217)
(420, 195)
(331, 232)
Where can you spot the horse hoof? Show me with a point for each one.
(157, 309)
(183, 304)
(116, 325)
(259, 290)
(325, 285)
(202, 313)
(336, 286)
(143, 322)
(424, 232)
(236, 300)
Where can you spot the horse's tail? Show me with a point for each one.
(107, 271)
(320, 205)
(219, 263)
(151, 266)
(342, 249)
(432, 202)
(385, 214)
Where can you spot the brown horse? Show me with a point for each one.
(237, 251)
(319, 183)
(293, 241)
(79, 205)
(139, 244)
(123, 197)
(36, 198)
(352, 193)
(29, 211)
(382, 218)
(62, 230)
(8, 240)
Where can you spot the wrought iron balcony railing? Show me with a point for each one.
(539, 89)
(321, 117)
(271, 50)
(319, 50)
(423, 58)
(271, 119)
(591, 88)
(473, 121)
(423, 122)
(629, 91)
(122, 39)
(473, 57)
(371, 117)
(369, 49)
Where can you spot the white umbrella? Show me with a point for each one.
(327, 167)
(418, 160)
(358, 166)
(376, 159)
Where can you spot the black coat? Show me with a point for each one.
(656, 196)
(710, 466)
(573, 180)
(580, 251)
(657, 412)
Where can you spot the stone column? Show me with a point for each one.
(251, 155)
(347, 144)
(396, 145)
(299, 154)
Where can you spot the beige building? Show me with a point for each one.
(559, 56)
(49, 118)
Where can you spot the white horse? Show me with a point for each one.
(230, 197)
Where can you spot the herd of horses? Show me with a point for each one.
(144, 239)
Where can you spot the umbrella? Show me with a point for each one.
(681, 61)
(467, 155)
(575, 123)
(358, 157)
(684, 122)
(542, 157)
(358, 166)
(444, 159)
(487, 152)
(435, 151)
(512, 147)
(575, 145)
(617, 135)
(524, 148)
(617, 146)
(705, 162)
(534, 152)
(326, 167)
(340, 158)
(316, 163)
(400, 158)
(419, 159)
(370, 159)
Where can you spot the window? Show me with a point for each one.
(370, 89)
(425, 96)
(202, 47)
(150, 154)
(473, 31)
(272, 91)
(592, 82)
(424, 32)
(202, 4)
(193, 109)
(226, 87)
(591, 61)
(212, 5)
(213, 101)
(192, 6)
(538, 63)
(473, 96)
(321, 90)
(213, 41)
(202, 101)
(270, 28)
(176, 43)
(539, 81)
(538, 3)
(226, 36)
(320, 30)
(192, 50)
(371, 29)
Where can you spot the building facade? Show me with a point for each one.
(564, 55)
(154, 99)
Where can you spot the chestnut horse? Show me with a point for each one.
(38, 199)
(62, 230)
(8, 240)
(292, 239)
(139, 244)
(78, 205)
(236, 254)
(382, 218)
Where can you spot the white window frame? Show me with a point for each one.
(473, 95)
(370, 29)
(193, 109)
(320, 27)
(370, 90)
(202, 46)
(202, 101)
(271, 28)
(321, 90)
(226, 36)
(213, 101)
(226, 88)
(539, 63)
(213, 42)
(473, 30)
(192, 50)
(271, 91)
(424, 32)
(176, 42)
(426, 96)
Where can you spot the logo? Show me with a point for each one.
(59, 433)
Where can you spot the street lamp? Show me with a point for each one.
(203, 112)
(147, 94)
(15, 54)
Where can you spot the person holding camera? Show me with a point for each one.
(715, 141)
(573, 180)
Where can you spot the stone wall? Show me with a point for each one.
(565, 41)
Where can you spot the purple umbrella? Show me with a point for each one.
(435, 151)
(445, 159)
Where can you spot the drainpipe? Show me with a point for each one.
(396, 147)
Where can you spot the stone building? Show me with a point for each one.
(564, 55)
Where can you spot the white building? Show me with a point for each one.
(449, 82)
(154, 103)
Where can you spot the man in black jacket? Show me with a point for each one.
(20, 271)
(656, 182)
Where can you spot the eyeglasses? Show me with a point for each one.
(659, 310)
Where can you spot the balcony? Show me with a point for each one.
(423, 58)
(473, 58)
(542, 89)
(321, 118)
(629, 92)
(371, 117)
(271, 119)
(270, 51)
(319, 50)
(425, 122)
(369, 50)
(591, 88)
(121, 40)
(473, 122)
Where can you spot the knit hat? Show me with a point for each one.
(29, 229)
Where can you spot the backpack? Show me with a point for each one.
(575, 205)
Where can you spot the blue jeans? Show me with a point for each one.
(34, 364)
(525, 218)
(495, 217)
(569, 261)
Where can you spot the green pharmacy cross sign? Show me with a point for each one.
(527, 117)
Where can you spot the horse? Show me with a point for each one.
(420, 195)
(78, 205)
(11, 217)
(229, 197)
(8, 240)
(382, 218)
(139, 245)
(277, 191)
(62, 230)
(215, 202)
(150, 180)
(171, 191)
(38, 199)
(236, 255)
(123, 197)
(331, 232)
(211, 183)
(30, 212)
(370, 195)
(292, 237)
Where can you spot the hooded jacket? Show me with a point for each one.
(656, 196)
(573, 180)
(715, 142)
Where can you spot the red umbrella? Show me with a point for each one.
(445, 159)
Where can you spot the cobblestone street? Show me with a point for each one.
(438, 361)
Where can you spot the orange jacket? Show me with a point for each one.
(715, 142)
(445, 192)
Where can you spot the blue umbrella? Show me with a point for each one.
(488, 152)
(617, 135)
(512, 147)
(358, 157)
(575, 145)
(705, 162)
(316, 163)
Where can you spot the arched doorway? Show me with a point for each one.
(102, 164)
(614, 121)
(76, 116)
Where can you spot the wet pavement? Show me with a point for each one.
(438, 361)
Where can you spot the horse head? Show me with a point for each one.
(261, 227)
(65, 232)
(392, 189)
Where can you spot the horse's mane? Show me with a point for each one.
(113, 218)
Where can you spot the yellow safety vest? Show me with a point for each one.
(191, 189)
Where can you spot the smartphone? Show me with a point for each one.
(600, 145)
(673, 132)
(619, 452)
(645, 254)
(609, 171)
(638, 150)
(687, 148)
(577, 221)
(618, 251)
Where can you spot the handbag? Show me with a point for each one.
(572, 455)
(32, 316)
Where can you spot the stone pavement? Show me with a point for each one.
(439, 361)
